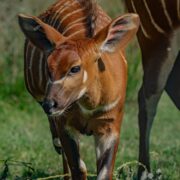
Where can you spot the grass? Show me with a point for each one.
(24, 128)
(25, 137)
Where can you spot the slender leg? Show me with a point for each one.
(71, 148)
(148, 98)
(106, 148)
(54, 134)
(65, 166)
(57, 144)
(147, 111)
(158, 60)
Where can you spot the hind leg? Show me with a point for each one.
(158, 58)
(147, 112)
(173, 83)
(155, 77)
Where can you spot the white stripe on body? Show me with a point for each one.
(59, 6)
(73, 23)
(40, 69)
(30, 66)
(26, 73)
(166, 13)
(156, 26)
(142, 27)
(59, 3)
(58, 13)
(46, 76)
(68, 15)
(72, 27)
(77, 32)
(30, 76)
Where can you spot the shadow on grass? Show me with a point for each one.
(27, 173)
(38, 174)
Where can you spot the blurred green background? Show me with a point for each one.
(24, 131)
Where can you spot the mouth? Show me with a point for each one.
(56, 113)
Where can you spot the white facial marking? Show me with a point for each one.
(82, 92)
(59, 81)
(57, 142)
(57, 113)
(85, 77)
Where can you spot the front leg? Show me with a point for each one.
(106, 148)
(57, 144)
(70, 144)
(54, 134)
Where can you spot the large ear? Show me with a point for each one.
(39, 33)
(118, 33)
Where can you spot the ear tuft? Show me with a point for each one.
(118, 33)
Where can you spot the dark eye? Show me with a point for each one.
(75, 69)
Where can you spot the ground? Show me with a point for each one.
(25, 137)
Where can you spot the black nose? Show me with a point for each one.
(48, 105)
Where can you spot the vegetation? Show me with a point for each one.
(24, 129)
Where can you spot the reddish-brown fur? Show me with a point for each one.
(89, 101)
